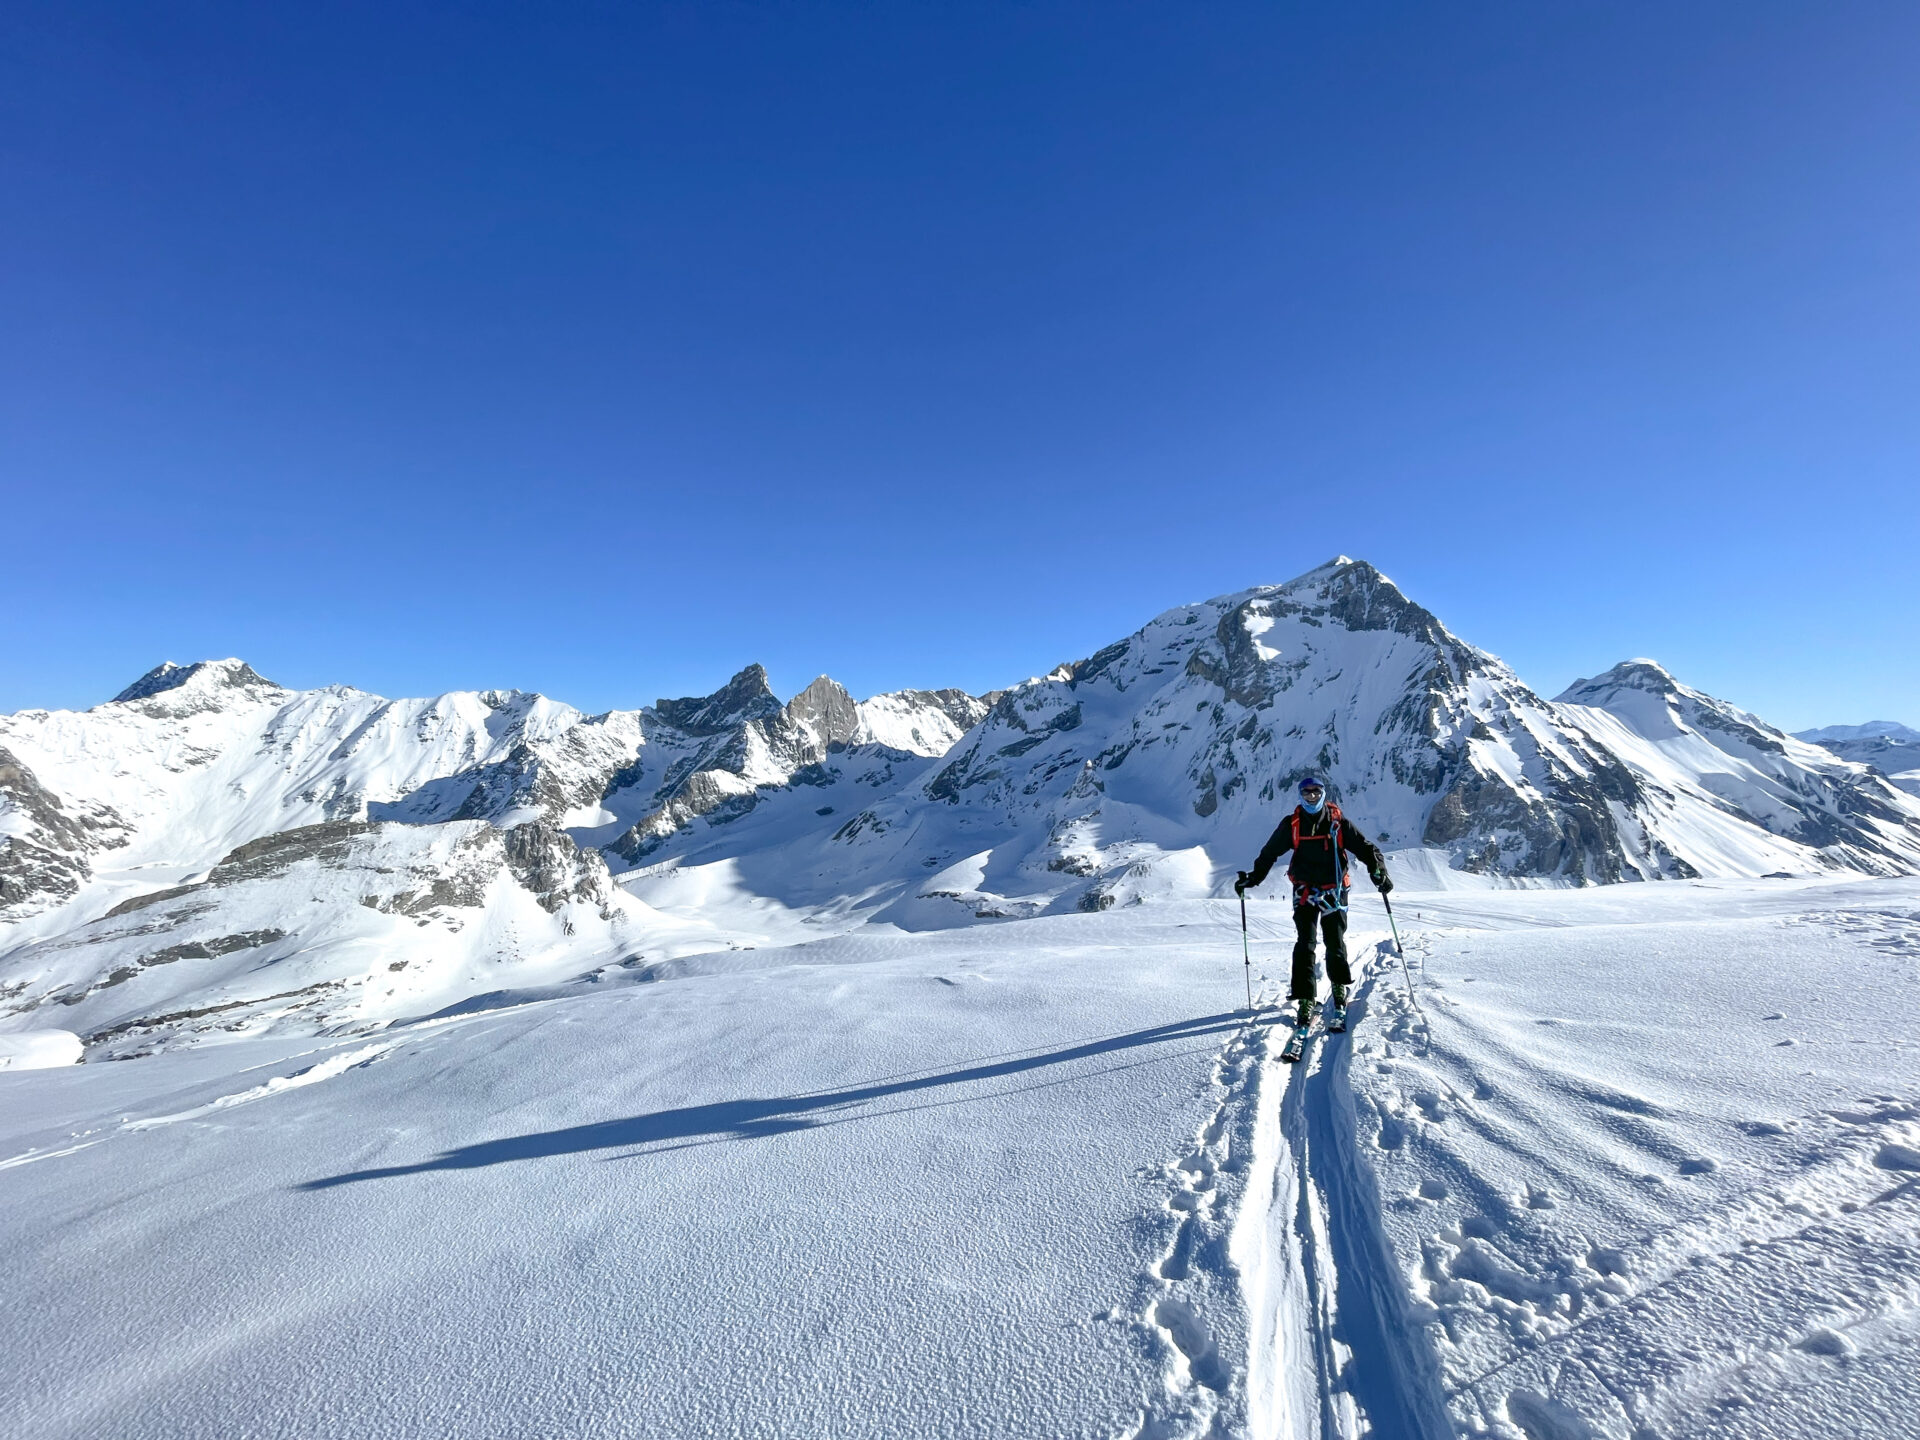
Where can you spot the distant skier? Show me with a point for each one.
(1320, 838)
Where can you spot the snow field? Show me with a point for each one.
(877, 1186)
(1634, 1162)
(1647, 1175)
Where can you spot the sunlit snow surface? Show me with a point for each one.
(1642, 1161)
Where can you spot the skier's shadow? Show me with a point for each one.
(759, 1118)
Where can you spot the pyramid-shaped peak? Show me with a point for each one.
(826, 708)
(747, 696)
(1355, 594)
(1328, 570)
(1641, 674)
(228, 674)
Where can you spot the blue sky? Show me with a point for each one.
(603, 349)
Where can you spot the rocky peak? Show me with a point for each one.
(826, 709)
(1356, 595)
(964, 710)
(747, 696)
(1647, 675)
(204, 674)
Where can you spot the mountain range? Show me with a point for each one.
(1888, 746)
(210, 853)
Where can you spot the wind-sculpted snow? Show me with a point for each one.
(1148, 772)
(1647, 1165)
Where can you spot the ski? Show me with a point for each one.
(1296, 1044)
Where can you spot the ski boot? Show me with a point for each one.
(1337, 1011)
(1297, 1042)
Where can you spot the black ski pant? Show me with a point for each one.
(1334, 928)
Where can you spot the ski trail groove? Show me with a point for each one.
(1276, 1307)
(1367, 1373)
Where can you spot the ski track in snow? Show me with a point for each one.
(1209, 1188)
(314, 1074)
(280, 1084)
(1273, 1281)
(1751, 1315)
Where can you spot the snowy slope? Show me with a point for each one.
(1729, 793)
(1648, 1162)
(1891, 748)
(210, 854)
(1621, 1172)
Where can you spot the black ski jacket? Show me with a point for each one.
(1314, 864)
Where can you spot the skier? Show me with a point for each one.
(1320, 838)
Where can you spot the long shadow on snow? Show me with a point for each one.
(756, 1119)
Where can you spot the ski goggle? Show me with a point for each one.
(1312, 792)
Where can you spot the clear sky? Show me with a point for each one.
(602, 349)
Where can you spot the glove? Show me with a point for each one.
(1382, 881)
(1240, 882)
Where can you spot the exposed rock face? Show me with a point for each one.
(828, 711)
(306, 928)
(1426, 739)
(45, 845)
(716, 773)
(227, 674)
(1182, 746)
(923, 722)
(710, 758)
(556, 870)
(171, 689)
(743, 699)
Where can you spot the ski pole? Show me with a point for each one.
(1246, 952)
(1398, 948)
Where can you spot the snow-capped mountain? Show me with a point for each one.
(1715, 775)
(211, 851)
(1872, 730)
(1888, 746)
(1158, 765)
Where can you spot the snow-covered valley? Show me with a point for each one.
(734, 1066)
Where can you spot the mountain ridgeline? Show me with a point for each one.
(210, 853)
